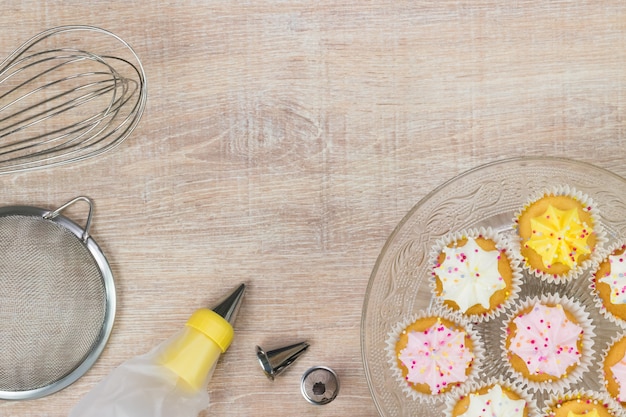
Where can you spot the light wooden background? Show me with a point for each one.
(284, 140)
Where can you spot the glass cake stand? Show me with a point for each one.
(487, 196)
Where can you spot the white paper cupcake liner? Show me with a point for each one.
(518, 388)
(599, 398)
(564, 190)
(582, 320)
(478, 352)
(503, 245)
(598, 302)
(601, 374)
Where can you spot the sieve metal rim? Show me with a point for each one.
(82, 233)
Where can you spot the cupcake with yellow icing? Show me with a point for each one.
(559, 234)
(433, 355)
(608, 284)
(582, 403)
(475, 272)
(547, 342)
(493, 397)
(613, 369)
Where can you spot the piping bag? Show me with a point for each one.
(171, 380)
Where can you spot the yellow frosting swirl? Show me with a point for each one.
(559, 237)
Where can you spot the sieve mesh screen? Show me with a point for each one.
(52, 302)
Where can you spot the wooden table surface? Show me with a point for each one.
(283, 142)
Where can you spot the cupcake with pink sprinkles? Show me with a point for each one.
(547, 342)
(433, 355)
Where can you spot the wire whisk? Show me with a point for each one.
(67, 94)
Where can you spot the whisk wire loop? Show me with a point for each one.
(63, 104)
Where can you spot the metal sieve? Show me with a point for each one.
(57, 300)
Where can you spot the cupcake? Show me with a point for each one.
(433, 355)
(559, 233)
(609, 284)
(581, 403)
(493, 397)
(475, 273)
(613, 370)
(547, 342)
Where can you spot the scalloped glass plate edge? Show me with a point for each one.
(485, 195)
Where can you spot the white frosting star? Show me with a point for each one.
(469, 275)
(494, 403)
(617, 279)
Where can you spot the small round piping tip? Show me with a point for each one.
(275, 361)
(319, 385)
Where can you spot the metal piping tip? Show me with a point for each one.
(229, 307)
(319, 385)
(274, 362)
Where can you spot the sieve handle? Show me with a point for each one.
(52, 214)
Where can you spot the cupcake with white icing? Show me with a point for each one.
(493, 397)
(475, 272)
(608, 284)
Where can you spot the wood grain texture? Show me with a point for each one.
(283, 142)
